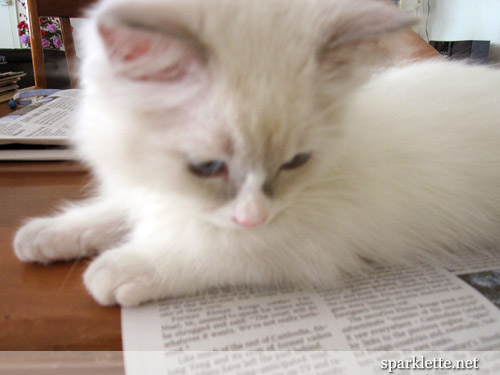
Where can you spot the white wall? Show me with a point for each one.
(463, 19)
(453, 20)
(8, 24)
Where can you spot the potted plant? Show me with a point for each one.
(50, 30)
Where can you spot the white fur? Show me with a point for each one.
(403, 166)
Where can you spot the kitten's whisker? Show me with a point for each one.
(69, 273)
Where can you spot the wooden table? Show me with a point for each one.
(46, 307)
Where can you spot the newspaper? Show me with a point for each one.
(40, 131)
(400, 315)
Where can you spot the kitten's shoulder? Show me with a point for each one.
(439, 71)
(435, 81)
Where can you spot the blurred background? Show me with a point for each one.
(456, 28)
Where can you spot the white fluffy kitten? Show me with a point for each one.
(240, 141)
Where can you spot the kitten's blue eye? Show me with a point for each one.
(297, 161)
(210, 168)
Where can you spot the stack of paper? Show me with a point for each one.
(8, 84)
(40, 131)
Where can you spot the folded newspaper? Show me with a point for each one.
(393, 320)
(40, 131)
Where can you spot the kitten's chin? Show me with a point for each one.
(223, 222)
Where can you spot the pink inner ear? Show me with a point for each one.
(124, 44)
(150, 56)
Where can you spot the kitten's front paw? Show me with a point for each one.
(122, 277)
(47, 240)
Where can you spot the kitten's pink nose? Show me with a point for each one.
(249, 223)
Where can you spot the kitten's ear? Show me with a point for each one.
(352, 51)
(366, 21)
(141, 54)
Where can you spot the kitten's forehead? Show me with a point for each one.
(264, 145)
(264, 63)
